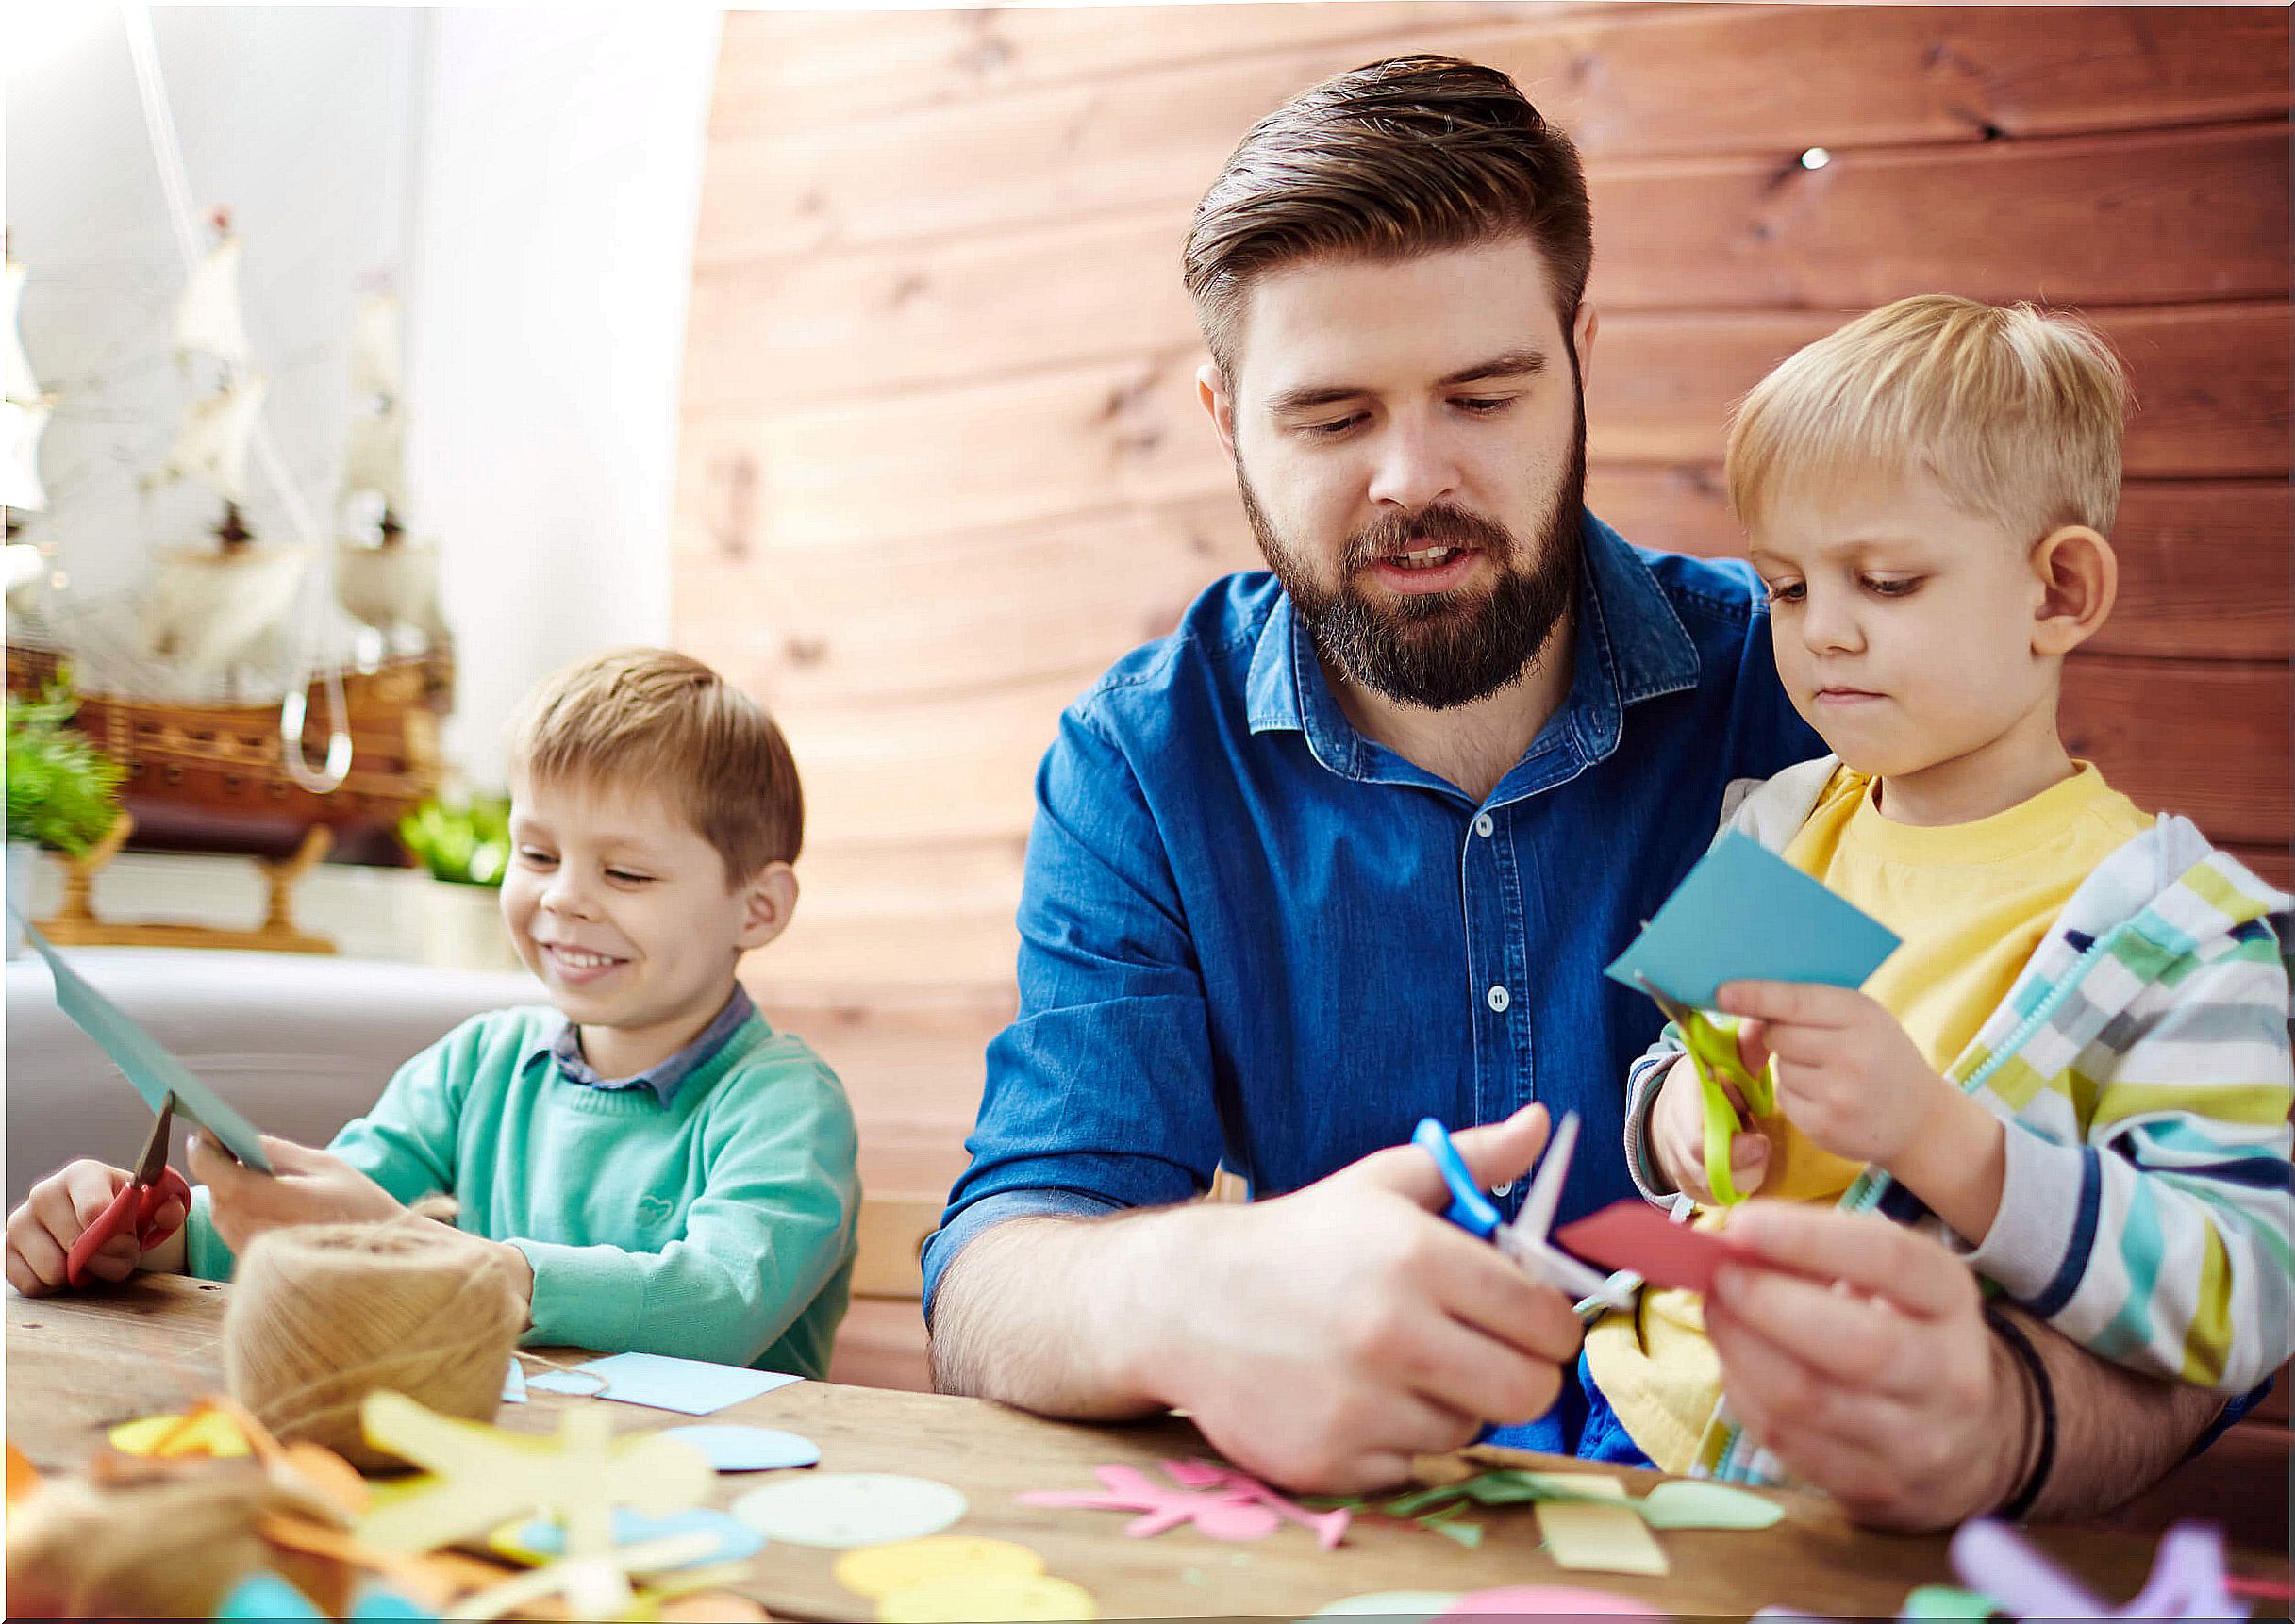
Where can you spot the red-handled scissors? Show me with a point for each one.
(151, 1184)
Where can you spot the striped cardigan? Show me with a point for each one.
(2141, 1066)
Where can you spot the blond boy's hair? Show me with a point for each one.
(2014, 411)
(662, 719)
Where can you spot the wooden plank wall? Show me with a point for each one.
(942, 461)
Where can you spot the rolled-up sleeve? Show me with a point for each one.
(1098, 1096)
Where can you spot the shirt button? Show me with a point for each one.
(1497, 999)
(1483, 825)
(1505, 1189)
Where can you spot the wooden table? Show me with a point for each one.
(77, 1364)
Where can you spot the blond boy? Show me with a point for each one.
(661, 1169)
(2076, 1066)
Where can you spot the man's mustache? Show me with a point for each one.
(1393, 534)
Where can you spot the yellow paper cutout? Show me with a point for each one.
(199, 1432)
(1599, 1538)
(880, 1570)
(961, 1599)
(483, 1476)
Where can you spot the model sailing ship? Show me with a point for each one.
(193, 687)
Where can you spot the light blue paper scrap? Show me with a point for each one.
(514, 1383)
(749, 1448)
(736, 1540)
(692, 1386)
(1746, 914)
(151, 1069)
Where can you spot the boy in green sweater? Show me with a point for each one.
(663, 1172)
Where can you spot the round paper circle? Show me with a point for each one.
(847, 1509)
(1403, 1606)
(881, 1570)
(960, 1598)
(749, 1448)
(1519, 1599)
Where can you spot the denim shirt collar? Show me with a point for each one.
(1630, 646)
(564, 1049)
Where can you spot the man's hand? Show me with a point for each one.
(1330, 1334)
(56, 1213)
(307, 1187)
(1885, 1388)
(1848, 1075)
(1677, 1137)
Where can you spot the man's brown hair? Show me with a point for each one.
(655, 719)
(1410, 156)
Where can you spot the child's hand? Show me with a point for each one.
(307, 1187)
(1677, 1137)
(1848, 1075)
(56, 1213)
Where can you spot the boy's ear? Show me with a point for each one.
(766, 902)
(2079, 578)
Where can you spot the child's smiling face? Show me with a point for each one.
(1905, 624)
(626, 913)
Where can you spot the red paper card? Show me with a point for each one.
(1637, 1236)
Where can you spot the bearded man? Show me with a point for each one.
(1351, 846)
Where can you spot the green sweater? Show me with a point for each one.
(719, 1226)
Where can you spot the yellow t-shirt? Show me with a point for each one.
(1971, 902)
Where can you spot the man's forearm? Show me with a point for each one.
(1058, 1314)
(2118, 1432)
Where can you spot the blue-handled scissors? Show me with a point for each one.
(1524, 1239)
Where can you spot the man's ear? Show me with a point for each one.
(1212, 389)
(2079, 579)
(766, 902)
(1582, 339)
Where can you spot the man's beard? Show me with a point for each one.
(1439, 650)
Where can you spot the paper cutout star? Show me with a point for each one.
(485, 1475)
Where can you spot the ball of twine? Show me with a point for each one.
(324, 1314)
(168, 1549)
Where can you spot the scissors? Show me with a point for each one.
(1711, 1043)
(1524, 1239)
(151, 1184)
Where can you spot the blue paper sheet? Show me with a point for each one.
(692, 1386)
(1746, 914)
(152, 1069)
(748, 1448)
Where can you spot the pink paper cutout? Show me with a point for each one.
(1637, 1236)
(1518, 1599)
(1224, 1504)
(1330, 1527)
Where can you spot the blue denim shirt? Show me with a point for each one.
(1251, 934)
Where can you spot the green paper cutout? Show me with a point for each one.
(1689, 1503)
(1944, 1601)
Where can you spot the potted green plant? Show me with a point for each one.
(465, 841)
(62, 792)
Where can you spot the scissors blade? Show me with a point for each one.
(154, 1161)
(1672, 1009)
(1545, 1196)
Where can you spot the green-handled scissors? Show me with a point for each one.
(1711, 1042)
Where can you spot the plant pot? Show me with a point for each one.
(23, 856)
(462, 928)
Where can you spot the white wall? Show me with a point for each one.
(529, 180)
